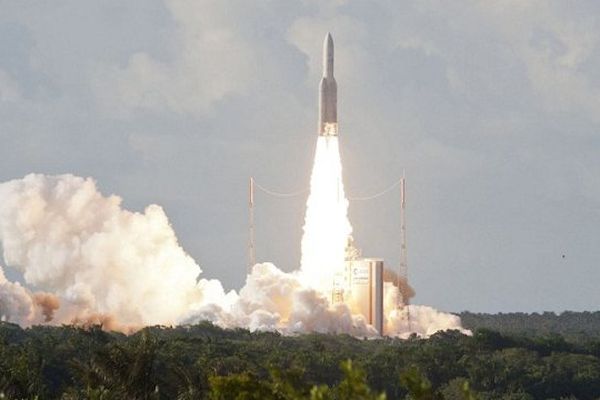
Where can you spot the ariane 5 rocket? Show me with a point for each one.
(328, 125)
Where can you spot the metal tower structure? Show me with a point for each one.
(404, 302)
(251, 248)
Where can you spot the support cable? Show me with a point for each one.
(379, 194)
(280, 194)
(303, 191)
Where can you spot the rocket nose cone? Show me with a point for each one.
(328, 55)
(328, 42)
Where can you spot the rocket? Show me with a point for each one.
(328, 93)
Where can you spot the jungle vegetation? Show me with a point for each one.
(206, 362)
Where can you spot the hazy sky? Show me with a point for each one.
(493, 109)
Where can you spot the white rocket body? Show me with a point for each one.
(328, 93)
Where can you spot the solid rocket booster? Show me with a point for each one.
(328, 93)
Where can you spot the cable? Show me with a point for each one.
(279, 194)
(303, 191)
(385, 191)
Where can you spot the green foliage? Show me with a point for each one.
(240, 387)
(206, 362)
(281, 386)
(417, 385)
(573, 326)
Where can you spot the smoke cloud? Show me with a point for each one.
(69, 240)
(15, 301)
(86, 260)
(47, 303)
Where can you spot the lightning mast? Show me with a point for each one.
(251, 248)
(403, 302)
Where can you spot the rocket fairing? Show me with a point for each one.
(328, 93)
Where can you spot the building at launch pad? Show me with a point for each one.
(360, 286)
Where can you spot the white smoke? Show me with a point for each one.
(68, 239)
(421, 320)
(274, 300)
(85, 259)
(15, 301)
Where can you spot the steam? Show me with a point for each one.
(86, 260)
(15, 301)
(274, 300)
(69, 240)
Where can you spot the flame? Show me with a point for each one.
(326, 225)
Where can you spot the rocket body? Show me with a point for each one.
(328, 93)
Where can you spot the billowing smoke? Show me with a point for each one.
(406, 291)
(421, 320)
(69, 240)
(274, 300)
(15, 301)
(47, 304)
(104, 263)
(84, 259)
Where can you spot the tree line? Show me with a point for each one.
(206, 362)
(575, 326)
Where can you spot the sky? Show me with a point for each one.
(491, 108)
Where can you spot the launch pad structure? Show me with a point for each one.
(360, 284)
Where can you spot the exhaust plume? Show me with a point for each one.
(326, 225)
